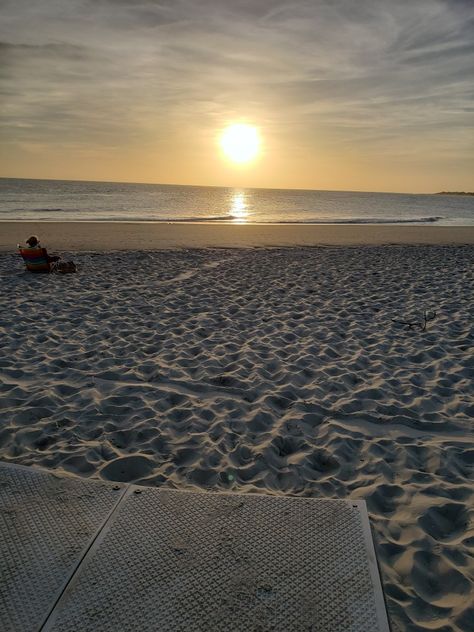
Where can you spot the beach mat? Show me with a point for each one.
(125, 558)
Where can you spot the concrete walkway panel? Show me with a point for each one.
(80, 555)
(172, 561)
(47, 524)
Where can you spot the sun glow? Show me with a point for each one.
(240, 142)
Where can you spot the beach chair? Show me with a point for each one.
(36, 259)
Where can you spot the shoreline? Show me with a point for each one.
(103, 235)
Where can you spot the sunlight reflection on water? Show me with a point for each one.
(238, 210)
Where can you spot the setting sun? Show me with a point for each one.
(240, 142)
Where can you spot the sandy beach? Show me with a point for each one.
(283, 370)
(106, 236)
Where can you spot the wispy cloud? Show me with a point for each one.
(113, 71)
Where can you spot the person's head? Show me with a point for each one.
(32, 241)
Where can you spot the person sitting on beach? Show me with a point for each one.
(33, 242)
(44, 262)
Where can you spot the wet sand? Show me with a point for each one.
(106, 236)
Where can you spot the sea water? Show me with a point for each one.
(64, 200)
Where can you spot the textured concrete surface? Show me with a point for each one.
(100, 556)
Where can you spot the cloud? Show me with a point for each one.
(115, 72)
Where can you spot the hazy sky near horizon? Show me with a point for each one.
(347, 94)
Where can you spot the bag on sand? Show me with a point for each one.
(63, 267)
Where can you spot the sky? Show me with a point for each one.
(372, 95)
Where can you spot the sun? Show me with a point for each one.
(240, 142)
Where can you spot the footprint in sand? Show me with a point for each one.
(445, 522)
(127, 469)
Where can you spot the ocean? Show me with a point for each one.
(65, 200)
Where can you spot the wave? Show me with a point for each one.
(222, 218)
(50, 210)
(328, 220)
(365, 220)
(35, 210)
(70, 216)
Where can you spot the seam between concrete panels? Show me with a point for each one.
(45, 624)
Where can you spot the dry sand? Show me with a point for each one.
(264, 370)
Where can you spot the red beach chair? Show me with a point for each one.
(36, 259)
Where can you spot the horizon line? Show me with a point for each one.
(219, 186)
